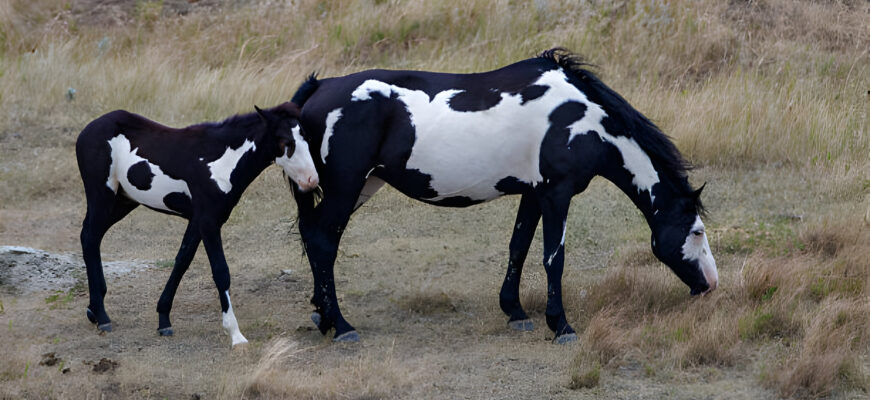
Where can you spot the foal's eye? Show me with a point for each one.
(698, 232)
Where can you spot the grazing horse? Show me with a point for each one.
(540, 128)
(198, 173)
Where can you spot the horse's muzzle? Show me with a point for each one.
(309, 183)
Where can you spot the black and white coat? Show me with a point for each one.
(198, 173)
(540, 128)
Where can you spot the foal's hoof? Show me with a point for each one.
(523, 325)
(107, 327)
(347, 337)
(91, 316)
(316, 318)
(167, 331)
(566, 338)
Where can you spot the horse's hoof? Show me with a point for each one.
(107, 327)
(315, 317)
(523, 325)
(91, 316)
(167, 331)
(347, 337)
(566, 338)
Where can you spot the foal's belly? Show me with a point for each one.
(142, 181)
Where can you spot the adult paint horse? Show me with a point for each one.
(541, 128)
(198, 173)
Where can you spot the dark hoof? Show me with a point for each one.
(566, 338)
(91, 316)
(107, 327)
(347, 337)
(166, 331)
(315, 317)
(523, 325)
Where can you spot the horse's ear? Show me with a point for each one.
(697, 193)
(260, 113)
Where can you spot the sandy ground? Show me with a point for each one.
(420, 284)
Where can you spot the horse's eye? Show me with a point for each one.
(698, 232)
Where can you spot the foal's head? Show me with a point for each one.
(679, 241)
(290, 148)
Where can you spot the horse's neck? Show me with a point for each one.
(646, 195)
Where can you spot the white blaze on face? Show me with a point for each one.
(696, 248)
(299, 166)
(123, 157)
(222, 168)
(231, 325)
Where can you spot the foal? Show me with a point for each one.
(198, 173)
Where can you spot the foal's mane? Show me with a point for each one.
(648, 136)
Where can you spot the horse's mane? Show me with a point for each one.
(648, 136)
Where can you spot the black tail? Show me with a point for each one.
(306, 89)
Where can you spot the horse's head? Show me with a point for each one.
(290, 148)
(679, 241)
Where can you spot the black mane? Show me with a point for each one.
(648, 136)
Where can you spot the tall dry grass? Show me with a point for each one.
(735, 83)
(806, 309)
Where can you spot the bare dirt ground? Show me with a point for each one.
(420, 284)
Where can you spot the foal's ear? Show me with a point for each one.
(260, 113)
(697, 193)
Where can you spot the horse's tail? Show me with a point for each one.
(306, 89)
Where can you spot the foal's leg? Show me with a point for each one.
(554, 206)
(220, 272)
(528, 215)
(185, 255)
(105, 208)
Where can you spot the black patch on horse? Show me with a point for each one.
(475, 101)
(533, 92)
(178, 202)
(140, 175)
(512, 185)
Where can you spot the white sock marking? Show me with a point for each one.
(231, 326)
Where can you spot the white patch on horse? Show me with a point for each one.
(637, 162)
(222, 168)
(231, 326)
(331, 119)
(696, 248)
(299, 166)
(123, 157)
(502, 141)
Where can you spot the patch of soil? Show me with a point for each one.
(120, 12)
(105, 365)
(25, 270)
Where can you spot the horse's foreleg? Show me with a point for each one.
(185, 255)
(555, 211)
(220, 272)
(104, 210)
(321, 232)
(528, 215)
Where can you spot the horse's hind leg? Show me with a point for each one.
(528, 215)
(185, 255)
(105, 208)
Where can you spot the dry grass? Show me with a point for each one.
(772, 93)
